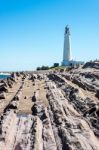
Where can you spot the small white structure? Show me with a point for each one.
(67, 58)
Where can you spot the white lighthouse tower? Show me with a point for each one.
(67, 59)
(67, 48)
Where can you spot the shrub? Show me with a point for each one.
(56, 64)
(42, 68)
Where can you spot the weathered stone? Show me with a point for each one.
(64, 114)
(34, 98)
(2, 95)
(91, 65)
(97, 94)
(3, 88)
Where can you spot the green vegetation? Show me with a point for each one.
(47, 67)
(43, 68)
(56, 65)
(58, 68)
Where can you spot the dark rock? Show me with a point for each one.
(17, 74)
(79, 83)
(33, 84)
(2, 96)
(25, 97)
(34, 98)
(34, 109)
(91, 65)
(3, 88)
(97, 94)
(4, 82)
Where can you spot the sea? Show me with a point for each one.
(4, 76)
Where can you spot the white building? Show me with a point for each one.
(67, 58)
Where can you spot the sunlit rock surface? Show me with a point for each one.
(50, 110)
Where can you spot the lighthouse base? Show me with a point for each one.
(71, 63)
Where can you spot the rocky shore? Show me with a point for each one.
(50, 110)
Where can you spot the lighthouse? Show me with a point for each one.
(67, 58)
(67, 48)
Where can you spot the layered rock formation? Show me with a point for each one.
(50, 111)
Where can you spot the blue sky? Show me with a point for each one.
(32, 32)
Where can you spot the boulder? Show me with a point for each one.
(2, 95)
(3, 88)
(34, 98)
(17, 74)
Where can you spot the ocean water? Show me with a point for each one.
(4, 76)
